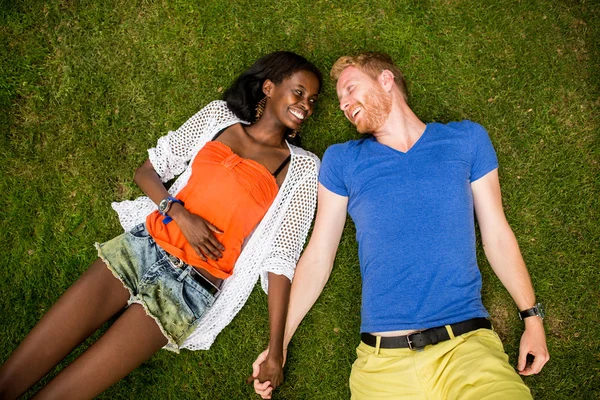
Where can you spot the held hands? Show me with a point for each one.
(533, 342)
(198, 232)
(267, 374)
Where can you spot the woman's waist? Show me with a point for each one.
(204, 275)
(235, 227)
(236, 223)
(220, 268)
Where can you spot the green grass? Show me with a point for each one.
(86, 87)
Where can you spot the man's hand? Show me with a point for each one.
(198, 232)
(260, 365)
(533, 342)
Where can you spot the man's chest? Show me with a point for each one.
(393, 183)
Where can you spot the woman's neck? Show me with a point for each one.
(267, 132)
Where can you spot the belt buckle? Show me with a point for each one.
(177, 262)
(410, 342)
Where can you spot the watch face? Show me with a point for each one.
(162, 206)
(540, 310)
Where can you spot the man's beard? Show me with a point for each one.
(375, 111)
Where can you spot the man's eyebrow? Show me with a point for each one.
(349, 82)
(345, 86)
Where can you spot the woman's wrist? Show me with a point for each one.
(177, 211)
(275, 352)
(275, 358)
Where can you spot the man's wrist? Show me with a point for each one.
(533, 322)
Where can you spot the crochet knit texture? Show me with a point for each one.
(275, 244)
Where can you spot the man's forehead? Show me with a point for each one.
(350, 74)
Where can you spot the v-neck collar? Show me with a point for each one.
(412, 148)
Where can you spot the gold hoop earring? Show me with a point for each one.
(294, 133)
(260, 108)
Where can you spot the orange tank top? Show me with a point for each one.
(230, 192)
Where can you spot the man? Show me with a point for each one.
(411, 189)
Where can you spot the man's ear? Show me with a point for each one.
(386, 80)
(267, 87)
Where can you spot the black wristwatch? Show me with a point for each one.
(536, 311)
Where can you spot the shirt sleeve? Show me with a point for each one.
(292, 232)
(331, 174)
(483, 155)
(174, 150)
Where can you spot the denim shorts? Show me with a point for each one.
(168, 294)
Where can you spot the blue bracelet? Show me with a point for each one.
(168, 219)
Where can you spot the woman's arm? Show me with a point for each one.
(173, 152)
(148, 180)
(197, 231)
(312, 273)
(279, 295)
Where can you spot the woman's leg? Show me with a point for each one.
(130, 341)
(94, 298)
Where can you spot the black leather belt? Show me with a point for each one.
(197, 276)
(418, 340)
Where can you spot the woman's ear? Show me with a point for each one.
(267, 87)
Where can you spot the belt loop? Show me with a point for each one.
(184, 273)
(377, 344)
(449, 330)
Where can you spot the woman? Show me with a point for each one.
(241, 208)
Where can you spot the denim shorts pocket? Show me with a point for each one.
(195, 296)
(140, 232)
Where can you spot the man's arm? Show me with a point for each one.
(314, 267)
(313, 270)
(502, 251)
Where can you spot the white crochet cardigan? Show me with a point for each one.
(274, 245)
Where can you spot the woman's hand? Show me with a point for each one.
(267, 374)
(198, 232)
(271, 370)
(262, 383)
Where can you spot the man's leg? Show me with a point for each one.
(476, 369)
(385, 374)
(94, 298)
(130, 341)
(471, 366)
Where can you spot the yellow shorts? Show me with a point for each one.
(470, 366)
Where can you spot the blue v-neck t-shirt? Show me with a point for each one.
(415, 224)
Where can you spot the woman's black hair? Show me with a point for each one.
(245, 93)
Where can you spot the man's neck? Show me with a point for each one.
(402, 129)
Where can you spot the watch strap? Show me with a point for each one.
(535, 311)
(171, 199)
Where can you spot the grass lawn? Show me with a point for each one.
(87, 86)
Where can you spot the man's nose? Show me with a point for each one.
(344, 103)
